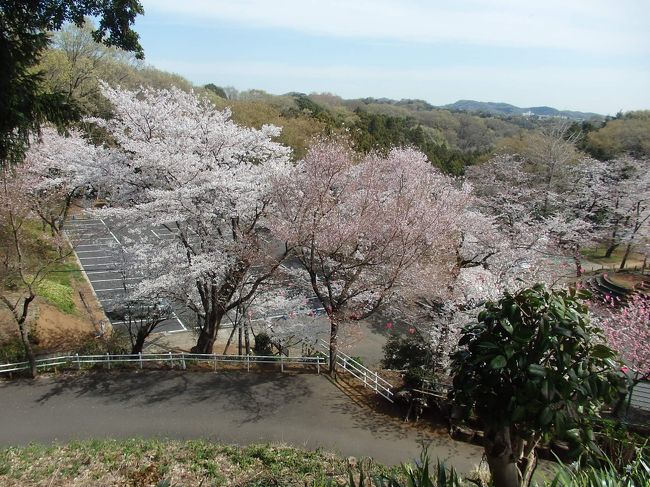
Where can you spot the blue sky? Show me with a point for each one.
(590, 55)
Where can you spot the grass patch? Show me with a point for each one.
(66, 273)
(597, 254)
(148, 462)
(60, 295)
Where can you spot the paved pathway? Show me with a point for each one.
(303, 410)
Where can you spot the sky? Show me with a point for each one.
(587, 55)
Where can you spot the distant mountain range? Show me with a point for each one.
(507, 109)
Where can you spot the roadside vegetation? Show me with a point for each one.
(167, 463)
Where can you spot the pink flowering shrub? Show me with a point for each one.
(627, 329)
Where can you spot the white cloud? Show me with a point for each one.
(587, 25)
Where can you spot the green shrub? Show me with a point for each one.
(405, 353)
(620, 446)
(636, 474)
(263, 344)
(12, 351)
(418, 475)
(416, 376)
(58, 294)
(117, 343)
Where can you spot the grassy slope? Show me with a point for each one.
(148, 462)
(57, 307)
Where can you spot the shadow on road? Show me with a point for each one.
(257, 395)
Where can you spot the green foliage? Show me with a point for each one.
(405, 352)
(418, 475)
(60, 295)
(634, 474)
(24, 27)
(382, 132)
(534, 361)
(416, 377)
(628, 134)
(298, 128)
(217, 90)
(117, 343)
(263, 345)
(12, 351)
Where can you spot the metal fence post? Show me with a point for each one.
(171, 360)
(183, 366)
(108, 360)
(140, 358)
(281, 363)
(318, 364)
(78, 362)
(376, 385)
(248, 363)
(215, 362)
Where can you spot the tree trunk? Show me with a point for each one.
(232, 334)
(24, 335)
(527, 463)
(31, 358)
(628, 249)
(247, 339)
(138, 345)
(334, 344)
(215, 304)
(578, 263)
(611, 248)
(208, 334)
(500, 458)
(204, 344)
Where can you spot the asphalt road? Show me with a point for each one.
(303, 410)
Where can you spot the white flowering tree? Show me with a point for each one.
(544, 223)
(365, 229)
(186, 167)
(59, 168)
(627, 203)
(25, 262)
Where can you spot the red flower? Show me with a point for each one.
(389, 325)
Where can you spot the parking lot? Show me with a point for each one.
(97, 244)
(98, 251)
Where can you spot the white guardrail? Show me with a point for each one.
(369, 378)
(174, 359)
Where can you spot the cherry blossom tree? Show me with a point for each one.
(544, 218)
(60, 168)
(363, 229)
(139, 315)
(185, 167)
(288, 320)
(21, 273)
(627, 329)
(627, 200)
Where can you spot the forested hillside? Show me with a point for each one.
(451, 138)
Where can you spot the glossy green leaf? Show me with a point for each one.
(546, 417)
(498, 362)
(602, 351)
(536, 369)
